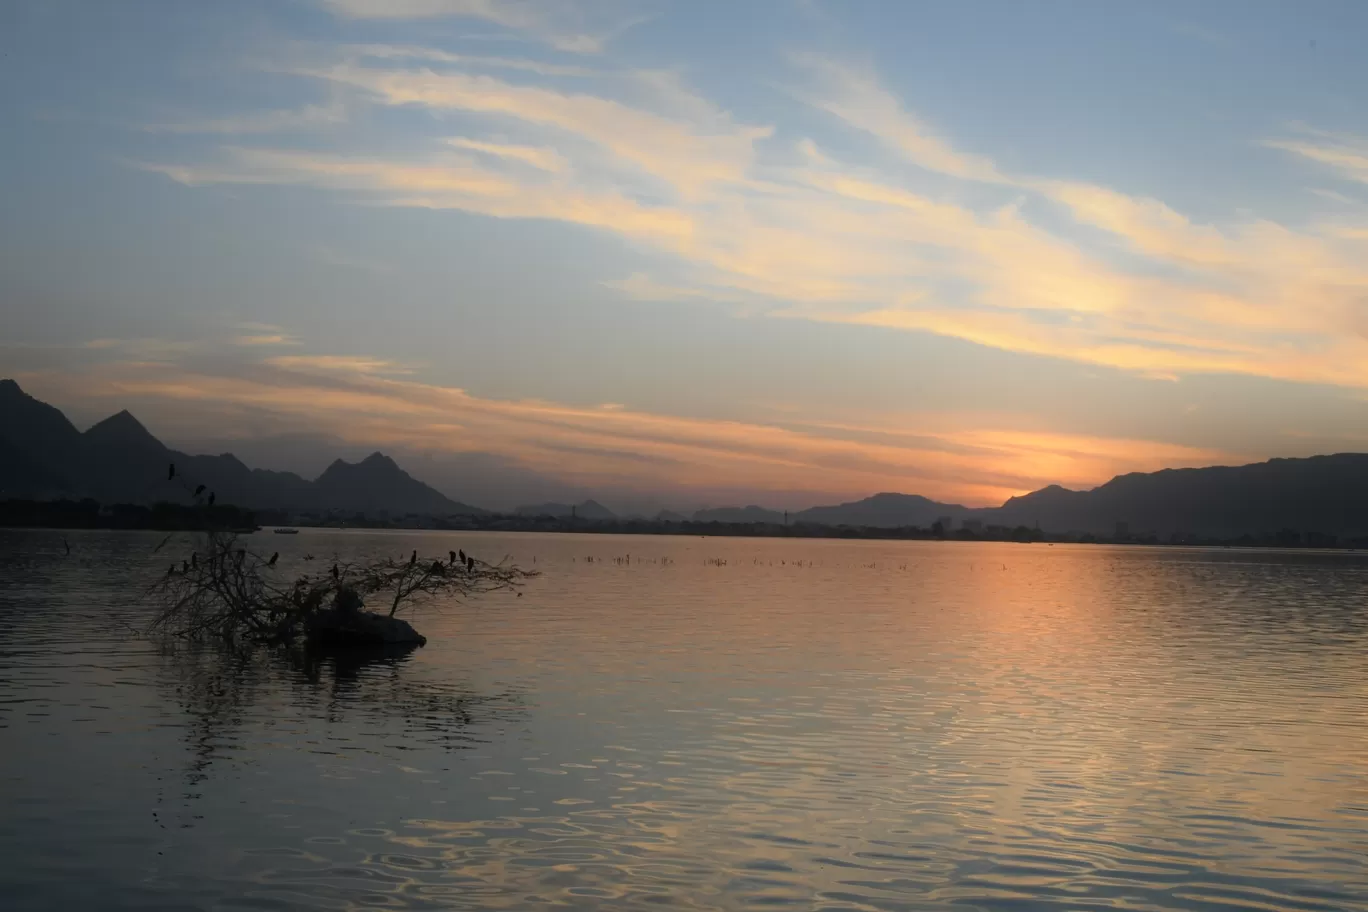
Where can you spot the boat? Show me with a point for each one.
(285, 531)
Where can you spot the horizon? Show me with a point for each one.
(585, 498)
(787, 255)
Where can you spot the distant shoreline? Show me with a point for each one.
(70, 515)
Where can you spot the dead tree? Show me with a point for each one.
(225, 589)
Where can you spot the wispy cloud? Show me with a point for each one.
(798, 233)
(575, 26)
(538, 157)
(689, 156)
(856, 97)
(1345, 155)
(266, 339)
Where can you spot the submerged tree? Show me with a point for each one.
(227, 590)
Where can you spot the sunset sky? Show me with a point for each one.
(775, 252)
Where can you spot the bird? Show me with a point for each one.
(199, 490)
(172, 571)
(185, 566)
(470, 564)
(66, 544)
(334, 571)
(171, 471)
(274, 557)
(436, 568)
(463, 557)
(211, 498)
(453, 556)
(194, 560)
(413, 558)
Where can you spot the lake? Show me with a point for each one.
(712, 723)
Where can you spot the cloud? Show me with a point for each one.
(369, 401)
(1346, 155)
(543, 158)
(1120, 280)
(687, 156)
(466, 61)
(575, 26)
(267, 339)
(856, 97)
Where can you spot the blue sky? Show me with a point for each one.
(779, 251)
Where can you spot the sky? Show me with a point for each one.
(782, 252)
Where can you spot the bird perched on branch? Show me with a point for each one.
(171, 471)
(274, 557)
(199, 490)
(470, 564)
(334, 571)
(413, 558)
(453, 556)
(211, 498)
(194, 560)
(436, 568)
(463, 557)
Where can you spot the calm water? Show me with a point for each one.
(816, 725)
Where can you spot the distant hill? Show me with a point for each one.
(589, 509)
(888, 511)
(42, 455)
(1327, 494)
(750, 514)
(377, 484)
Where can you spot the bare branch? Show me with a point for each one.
(226, 590)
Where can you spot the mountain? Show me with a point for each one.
(885, 511)
(376, 484)
(42, 455)
(1327, 494)
(670, 516)
(589, 509)
(38, 435)
(750, 514)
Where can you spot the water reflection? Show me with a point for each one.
(820, 725)
(229, 693)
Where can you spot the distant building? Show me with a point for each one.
(1123, 530)
(972, 525)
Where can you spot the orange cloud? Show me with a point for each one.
(362, 401)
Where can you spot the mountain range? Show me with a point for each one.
(44, 456)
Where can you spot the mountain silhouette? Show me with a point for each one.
(888, 511)
(1326, 494)
(748, 514)
(589, 509)
(42, 455)
(377, 484)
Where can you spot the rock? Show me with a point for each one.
(346, 624)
